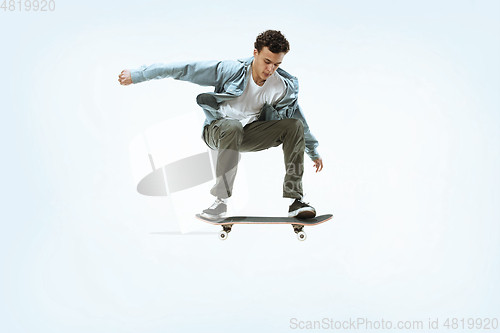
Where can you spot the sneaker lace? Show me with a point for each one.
(216, 204)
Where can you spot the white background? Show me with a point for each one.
(403, 97)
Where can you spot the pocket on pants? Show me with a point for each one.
(209, 132)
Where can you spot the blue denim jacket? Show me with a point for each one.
(229, 79)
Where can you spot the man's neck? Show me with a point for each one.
(256, 78)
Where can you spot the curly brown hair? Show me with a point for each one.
(274, 40)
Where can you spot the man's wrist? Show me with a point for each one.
(136, 76)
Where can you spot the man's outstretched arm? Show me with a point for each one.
(204, 73)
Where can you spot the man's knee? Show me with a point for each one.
(294, 123)
(231, 127)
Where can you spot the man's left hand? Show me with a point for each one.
(125, 78)
(318, 164)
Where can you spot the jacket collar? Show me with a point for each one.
(246, 61)
(294, 87)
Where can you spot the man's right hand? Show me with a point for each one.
(124, 78)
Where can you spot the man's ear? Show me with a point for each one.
(255, 52)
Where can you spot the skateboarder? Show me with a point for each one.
(254, 107)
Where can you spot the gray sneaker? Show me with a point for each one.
(216, 211)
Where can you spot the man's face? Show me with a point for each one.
(265, 63)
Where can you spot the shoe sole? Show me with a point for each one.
(303, 213)
(213, 217)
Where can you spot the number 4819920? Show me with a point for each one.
(28, 5)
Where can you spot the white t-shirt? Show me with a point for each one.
(246, 108)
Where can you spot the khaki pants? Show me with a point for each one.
(230, 138)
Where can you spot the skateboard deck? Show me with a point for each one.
(297, 224)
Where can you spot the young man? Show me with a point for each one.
(254, 107)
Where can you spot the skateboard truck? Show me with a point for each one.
(226, 228)
(299, 230)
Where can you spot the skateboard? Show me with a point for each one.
(297, 224)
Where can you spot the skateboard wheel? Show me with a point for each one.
(301, 236)
(222, 235)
